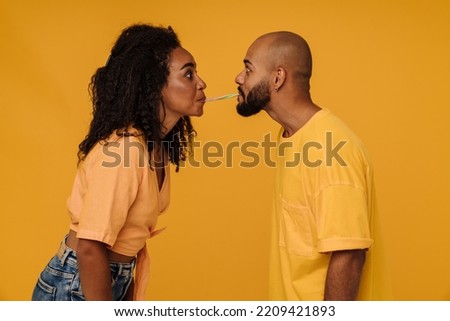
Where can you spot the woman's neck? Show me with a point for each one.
(169, 123)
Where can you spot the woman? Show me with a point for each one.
(142, 99)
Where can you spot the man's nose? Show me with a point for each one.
(239, 78)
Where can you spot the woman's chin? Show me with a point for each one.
(197, 113)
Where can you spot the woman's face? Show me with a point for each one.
(183, 94)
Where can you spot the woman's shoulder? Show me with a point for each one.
(120, 146)
(124, 134)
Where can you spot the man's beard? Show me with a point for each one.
(257, 99)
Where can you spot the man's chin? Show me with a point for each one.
(246, 111)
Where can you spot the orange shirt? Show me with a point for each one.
(116, 198)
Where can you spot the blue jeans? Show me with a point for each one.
(60, 280)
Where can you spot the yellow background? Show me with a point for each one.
(382, 66)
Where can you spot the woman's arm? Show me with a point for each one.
(344, 273)
(95, 274)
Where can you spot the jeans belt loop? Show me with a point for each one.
(62, 252)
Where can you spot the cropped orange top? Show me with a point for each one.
(116, 199)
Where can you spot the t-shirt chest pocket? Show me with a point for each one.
(295, 229)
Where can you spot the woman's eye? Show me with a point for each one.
(189, 75)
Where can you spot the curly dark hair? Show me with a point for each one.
(127, 92)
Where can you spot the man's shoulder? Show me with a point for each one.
(332, 124)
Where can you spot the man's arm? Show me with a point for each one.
(344, 273)
(95, 274)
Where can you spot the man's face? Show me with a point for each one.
(254, 90)
(256, 99)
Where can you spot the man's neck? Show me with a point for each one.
(292, 117)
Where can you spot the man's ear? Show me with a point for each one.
(279, 79)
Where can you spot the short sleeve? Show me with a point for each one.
(113, 174)
(343, 219)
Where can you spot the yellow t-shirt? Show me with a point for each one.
(324, 201)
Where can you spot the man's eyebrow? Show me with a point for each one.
(248, 62)
(189, 64)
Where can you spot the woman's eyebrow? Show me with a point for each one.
(189, 64)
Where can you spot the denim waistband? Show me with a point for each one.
(66, 255)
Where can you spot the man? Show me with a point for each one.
(324, 204)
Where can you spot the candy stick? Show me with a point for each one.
(221, 97)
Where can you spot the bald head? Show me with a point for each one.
(288, 50)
